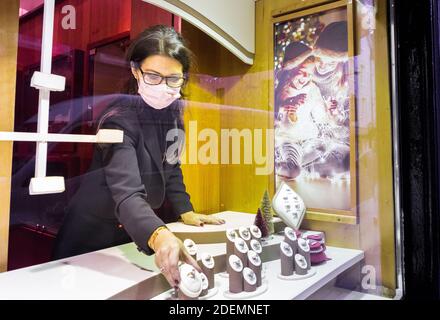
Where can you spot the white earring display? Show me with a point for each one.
(241, 249)
(208, 265)
(255, 233)
(256, 246)
(291, 238)
(241, 279)
(245, 234)
(286, 258)
(235, 275)
(190, 285)
(191, 247)
(250, 280)
(289, 206)
(301, 265)
(254, 263)
(295, 266)
(304, 250)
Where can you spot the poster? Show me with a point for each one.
(314, 109)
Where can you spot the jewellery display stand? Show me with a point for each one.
(254, 263)
(255, 233)
(291, 238)
(301, 265)
(235, 274)
(190, 285)
(304, 250)
(207, 266)
(250, 280)
(231, 235)
(241, 249)
(191, 247)
(289, 206)
(245, 234)
(301, 270)
(256, 246)
(286, 259)
(242, 281)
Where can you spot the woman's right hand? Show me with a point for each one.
(169, 251)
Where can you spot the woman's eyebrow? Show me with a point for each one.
(171, 75)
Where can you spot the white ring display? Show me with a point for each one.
(290, 233)
(254, 258)
(190, 246)
(191, 281)
(231, 234)
(255, 232)
(241, 245)
(286, 249)
(303, 245)
(208, 260)
(244, 233)
(249, 276)
(235, 263)
(256, 246)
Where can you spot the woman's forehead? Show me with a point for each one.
(162, 64)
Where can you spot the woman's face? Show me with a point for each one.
(161, 65)
(325, 64)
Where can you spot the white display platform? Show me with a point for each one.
(296, 277)
(123, 272)
(215, 233)
(278, 289)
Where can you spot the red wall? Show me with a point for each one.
(96, 21)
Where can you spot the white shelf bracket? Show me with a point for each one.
(45, 82)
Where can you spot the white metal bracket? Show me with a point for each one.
(46, 82)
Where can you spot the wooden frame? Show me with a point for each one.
(322, 214)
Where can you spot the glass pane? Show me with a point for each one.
(305, 130)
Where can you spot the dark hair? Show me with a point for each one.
(157, 40)
(333, 37)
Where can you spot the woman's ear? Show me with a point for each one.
(134, 70)
(135, 73)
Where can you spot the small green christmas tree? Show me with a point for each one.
(266, 210)
(262, 224)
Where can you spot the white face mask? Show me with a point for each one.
(158, 96)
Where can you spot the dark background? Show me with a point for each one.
(418, 98)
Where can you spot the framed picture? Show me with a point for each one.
(314, 109)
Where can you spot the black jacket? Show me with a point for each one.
(124, 184)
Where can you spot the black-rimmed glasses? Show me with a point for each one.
(156, 79)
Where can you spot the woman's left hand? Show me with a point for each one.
(196, 219)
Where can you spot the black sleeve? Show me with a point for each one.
(124, 181)
(176, 191)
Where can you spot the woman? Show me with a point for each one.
(127, 181)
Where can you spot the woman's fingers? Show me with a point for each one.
(196, 221)
(190, 260)
(173, 264)
(162, 261)
(212, 220)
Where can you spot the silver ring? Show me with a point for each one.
(162, 269)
